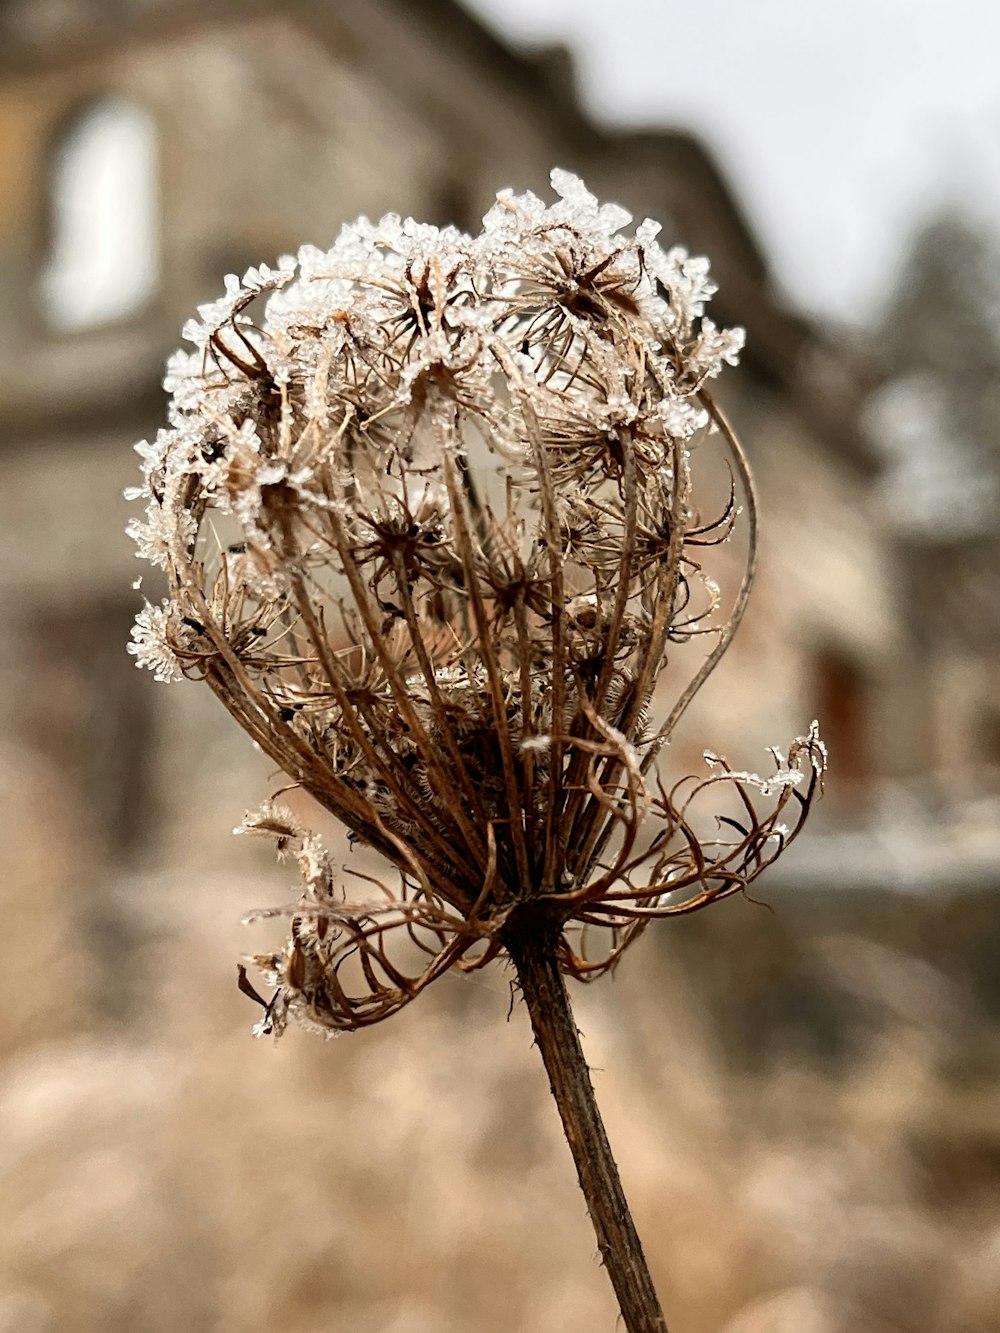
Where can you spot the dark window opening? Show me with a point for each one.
(842, 694)
(89, 710)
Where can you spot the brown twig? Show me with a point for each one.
(535, 955)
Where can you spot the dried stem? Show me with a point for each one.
(437, 514)
(535, 955)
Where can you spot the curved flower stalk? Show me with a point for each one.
(429, 511)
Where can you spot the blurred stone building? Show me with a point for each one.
(166, 1173)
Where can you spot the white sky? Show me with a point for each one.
(838, 125)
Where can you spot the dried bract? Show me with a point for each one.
(426, 507)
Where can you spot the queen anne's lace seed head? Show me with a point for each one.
(427, 509)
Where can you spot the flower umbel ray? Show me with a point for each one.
(430, 511)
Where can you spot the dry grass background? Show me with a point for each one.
(805, 1106)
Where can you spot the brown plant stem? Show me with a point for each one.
(534, 954)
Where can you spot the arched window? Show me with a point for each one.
(102, 260)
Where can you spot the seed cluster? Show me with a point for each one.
(426, 509)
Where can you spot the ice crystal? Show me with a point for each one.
(152, 643)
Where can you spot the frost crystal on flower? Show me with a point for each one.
(437, 514)
(151, 644)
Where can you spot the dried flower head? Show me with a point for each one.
(426, 507)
